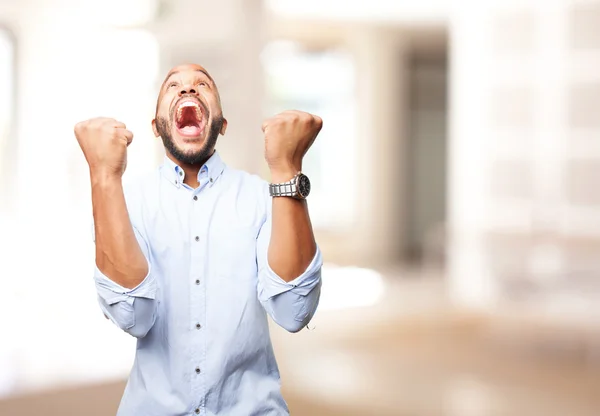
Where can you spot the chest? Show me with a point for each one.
(212, 232)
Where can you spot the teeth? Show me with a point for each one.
(189, 104)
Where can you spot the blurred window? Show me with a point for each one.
(7, 96)
(321, 82)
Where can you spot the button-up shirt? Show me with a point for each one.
(200, 315)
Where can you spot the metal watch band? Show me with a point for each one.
(284, 189)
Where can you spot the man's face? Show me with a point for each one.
(189, 117)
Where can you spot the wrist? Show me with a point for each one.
(284, 173)
(104, 177)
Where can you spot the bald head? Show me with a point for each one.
(189, 68)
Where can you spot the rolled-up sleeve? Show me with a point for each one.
(290, 304)
(132, 310)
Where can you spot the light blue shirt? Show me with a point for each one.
(200, 316)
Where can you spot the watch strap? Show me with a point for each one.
(288, 188)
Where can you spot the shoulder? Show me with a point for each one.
(137, 188)
(246, 180)
(247, 189)
(138, 182)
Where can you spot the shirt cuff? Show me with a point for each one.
(273, 285)
(112, 292)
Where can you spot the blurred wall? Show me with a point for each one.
(524, 216)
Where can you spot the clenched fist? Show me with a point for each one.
(288, 136)
(104, 143)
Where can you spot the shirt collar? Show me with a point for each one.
(211, 170)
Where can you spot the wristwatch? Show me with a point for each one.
(298, 187)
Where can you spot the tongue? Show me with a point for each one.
(190, 130)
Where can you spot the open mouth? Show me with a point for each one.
(189, 119)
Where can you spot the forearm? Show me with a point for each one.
(292, 245)
(118, 254)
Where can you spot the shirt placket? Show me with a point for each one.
(197, 322)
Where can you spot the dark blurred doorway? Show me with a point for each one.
(427, 148)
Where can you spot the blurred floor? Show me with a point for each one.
(410, 355)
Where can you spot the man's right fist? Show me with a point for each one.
(104, 143)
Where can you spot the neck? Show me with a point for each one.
(190, 170)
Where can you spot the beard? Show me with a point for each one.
(190, 158)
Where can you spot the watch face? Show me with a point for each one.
(303, 186)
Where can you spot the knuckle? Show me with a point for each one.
(82, 127)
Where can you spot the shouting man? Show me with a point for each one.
(190, 259)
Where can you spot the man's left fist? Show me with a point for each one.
(288, 136)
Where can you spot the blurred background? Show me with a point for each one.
(455, 193)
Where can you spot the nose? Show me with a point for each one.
(187, 89)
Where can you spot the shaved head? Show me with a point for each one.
(188, 67)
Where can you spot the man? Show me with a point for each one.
(190, 259)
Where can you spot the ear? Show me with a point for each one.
(154, 128)
(223, 127)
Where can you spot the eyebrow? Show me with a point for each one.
(170, 74)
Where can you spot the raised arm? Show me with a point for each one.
(122, 256)
(290, 278)
(104, 143)
(288, 136)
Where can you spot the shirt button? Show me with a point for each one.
(211, 179)
(195, 197)
(197, 370)
(198, 326)
(197, 238)
(197, 281)
(197, 411)
(180, 173)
